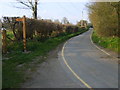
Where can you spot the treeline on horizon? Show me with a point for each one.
(105, 17)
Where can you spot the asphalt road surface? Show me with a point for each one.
(77, 64)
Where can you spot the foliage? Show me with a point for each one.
(71, 28)
(65, 20)
(44, 28)
(107, 42)
(104, 18)
(50, 34)
(18, 63)
(82, 23)
(10, 23)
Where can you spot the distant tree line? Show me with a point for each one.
(105, 17)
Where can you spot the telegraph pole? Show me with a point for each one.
(82, 15)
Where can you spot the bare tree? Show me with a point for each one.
(30, 4)
(65, 20)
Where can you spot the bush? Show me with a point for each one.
(104, 17)
(44, 28)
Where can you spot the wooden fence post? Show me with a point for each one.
(4, 42)
(24, 34)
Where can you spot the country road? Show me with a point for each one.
(77, 64)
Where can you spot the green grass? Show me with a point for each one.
(14, 76)
(10, 34)
(107, 42)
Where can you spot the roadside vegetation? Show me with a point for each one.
(105, 19)
(16, 63)
(107, 42)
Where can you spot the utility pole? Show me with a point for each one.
(82, 21)
(82, 15)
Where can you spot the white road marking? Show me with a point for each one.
(78, 77)
(100, 48)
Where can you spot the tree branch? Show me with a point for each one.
(23, 3)
(21, 7)
(30, 2)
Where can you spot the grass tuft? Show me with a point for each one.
(111, 43)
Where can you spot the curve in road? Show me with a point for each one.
(89, 65)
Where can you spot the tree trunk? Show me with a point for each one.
(35, 10)
(35, 13)
(13, 29)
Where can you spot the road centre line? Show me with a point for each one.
(62, 53)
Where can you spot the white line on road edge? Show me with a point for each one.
(62, 53)
(100, 48)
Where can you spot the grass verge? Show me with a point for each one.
(111, 43)
(17, 63)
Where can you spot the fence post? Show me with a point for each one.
(24, 34)
(4, 42)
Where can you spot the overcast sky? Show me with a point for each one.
(49, 9)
